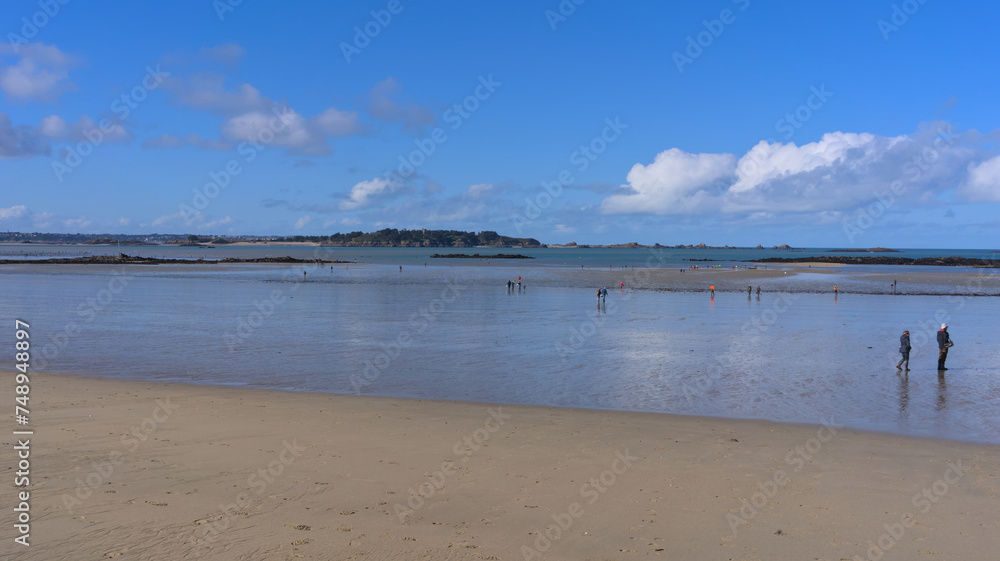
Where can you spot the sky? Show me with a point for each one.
(739, 122)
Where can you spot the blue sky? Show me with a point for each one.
(735, 122)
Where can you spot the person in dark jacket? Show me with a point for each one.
(944, 342)
(904, 349)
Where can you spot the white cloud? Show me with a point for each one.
(84, 128)
(13, 212)
(124, 221)
(302, 222)
(835, 174)
(286, 128)
(677, 182)
(361, 194)
(41, 73)
(983, 184)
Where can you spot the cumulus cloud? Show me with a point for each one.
(983, 184)
(677, 182)
(13, 212)
(364, 193)
(40, 73)
(826, 178)
(251, 116)
(382, 106)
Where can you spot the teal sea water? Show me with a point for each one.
(451, 330)
(590, 257)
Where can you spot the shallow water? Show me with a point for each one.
(454, 332)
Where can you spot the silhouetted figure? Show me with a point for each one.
(904, 349)
(944, 343)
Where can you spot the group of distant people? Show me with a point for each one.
(944, 343)
(511, 285)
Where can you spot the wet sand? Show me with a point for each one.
(139, 470)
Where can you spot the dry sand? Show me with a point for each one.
(139, 470)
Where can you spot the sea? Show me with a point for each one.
(396, 322)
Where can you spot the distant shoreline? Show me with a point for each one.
(134, 260)
(884, 260)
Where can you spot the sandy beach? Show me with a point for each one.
(139, 470)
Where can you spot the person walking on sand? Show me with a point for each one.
(836, 290)
(944, 343)
(758, 291)
(904, 349)
(604, 293)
